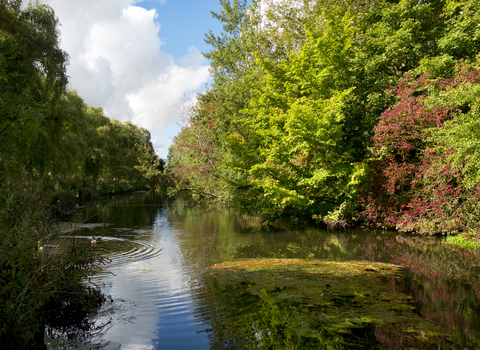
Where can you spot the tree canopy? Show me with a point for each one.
(292, 117)
(47, 128)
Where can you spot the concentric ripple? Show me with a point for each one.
(152, 286)
(122, 248)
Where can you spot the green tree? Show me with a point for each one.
(32, 78)
(298, 91)
(195, 158)
(297, 157)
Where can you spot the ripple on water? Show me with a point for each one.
(146, 268)
(123, 250)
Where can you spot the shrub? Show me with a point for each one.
(421, 178)
(36, 285)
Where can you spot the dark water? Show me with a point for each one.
(164, 299)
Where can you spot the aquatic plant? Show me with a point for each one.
(319, 303)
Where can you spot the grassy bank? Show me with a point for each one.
(467, 240)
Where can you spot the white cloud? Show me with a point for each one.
(116, 61)
(170, 86)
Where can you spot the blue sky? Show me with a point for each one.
(138, 60)
(184, 23)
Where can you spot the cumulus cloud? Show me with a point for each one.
(116, 61)
(168, 86)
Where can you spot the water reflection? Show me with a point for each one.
(166, 299)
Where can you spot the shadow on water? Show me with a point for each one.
(193, 277)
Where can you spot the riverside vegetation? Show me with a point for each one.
(339, 113)
(54, 151)
(325, 112)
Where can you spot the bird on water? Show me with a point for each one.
(94, 241)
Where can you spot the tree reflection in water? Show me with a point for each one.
(438, 290)
(442, 281)
(293, 303)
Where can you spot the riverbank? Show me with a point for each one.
(466, 240)
(44, 286)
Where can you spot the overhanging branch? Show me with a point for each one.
(202, 192)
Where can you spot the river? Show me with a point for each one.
(166, 297)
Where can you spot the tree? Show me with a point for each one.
(297, 157)
(32, 77)
(195, 157)
(423, 174)
(299, 89)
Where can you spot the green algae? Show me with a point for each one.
(334, 304)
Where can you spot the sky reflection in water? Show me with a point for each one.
(163, 299)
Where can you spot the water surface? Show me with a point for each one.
(164, 298)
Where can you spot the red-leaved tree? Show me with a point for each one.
(413, 184)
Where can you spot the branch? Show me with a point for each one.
(11, 120)
(206, 193)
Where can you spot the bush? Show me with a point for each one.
(36, 285)
(467, 240)
(424, 173)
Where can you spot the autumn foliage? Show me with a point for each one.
(414, 182)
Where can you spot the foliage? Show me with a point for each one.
(33, 278)
(233, 104)
(93, 155)
(298, 90)
(32, 77)
(50, 130)
(194, 159)
(467, 240)
(462, 132)
(295, 155)
(151, 166)
(420, 174)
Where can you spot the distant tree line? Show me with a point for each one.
(47, 128)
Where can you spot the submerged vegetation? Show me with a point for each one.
(339, 113)
(324, 304)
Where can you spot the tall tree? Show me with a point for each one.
(299, 87)
(32, 78)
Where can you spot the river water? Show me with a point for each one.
(164, 298)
